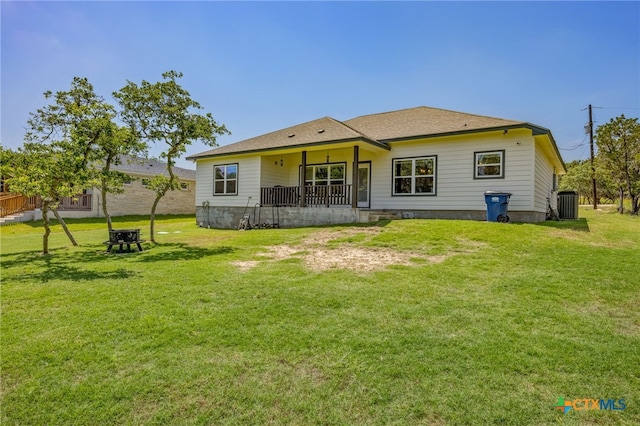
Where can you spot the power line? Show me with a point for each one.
(582, 154)
(582, 143)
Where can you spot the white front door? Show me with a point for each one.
(364, 185)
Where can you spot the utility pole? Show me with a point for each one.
(593, 167)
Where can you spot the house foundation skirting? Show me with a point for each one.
(296, 217)
(514, 216)
(287, 217)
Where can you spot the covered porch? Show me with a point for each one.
(323, 176)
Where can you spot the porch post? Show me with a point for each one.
(354, 179)
(303, 172)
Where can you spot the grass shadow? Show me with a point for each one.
(181, 251)
(61, 255)
(143, 220)
(63, 272)
(59, 266)
(581, 225)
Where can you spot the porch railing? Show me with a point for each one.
(280, 196)
(17, 203)
(79, 202)
(315, 195)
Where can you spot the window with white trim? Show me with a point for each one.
(225, 179)
(489, 165)
(325, 174)
(184, 186)
(414, 176)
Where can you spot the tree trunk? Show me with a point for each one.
(64, 226)
(153, 217)
(47, 229)
(635, 204)
(104, 207)
(104, 188)
(621, 205)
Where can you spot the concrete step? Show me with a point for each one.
(389, 216)
(376, 215)
(16, 218)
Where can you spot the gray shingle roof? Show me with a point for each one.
(151, 167)
(320, 131)
(375, 129)
(423, 121)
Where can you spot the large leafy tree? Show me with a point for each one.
(87, 123)
(70, 145)
(54, 161)
(45, 170)
(578, 178)
(164, 112)
(619, 155)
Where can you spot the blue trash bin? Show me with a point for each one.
(497, 206)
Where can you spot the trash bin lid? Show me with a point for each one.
(497, 193)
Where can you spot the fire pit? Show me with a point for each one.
(122, 237)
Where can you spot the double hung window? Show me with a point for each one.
(414, 176)
(225, 179)
(489, 165)
(325, 174)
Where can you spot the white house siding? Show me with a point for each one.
(248, 181)
(543, 183)
(272, 173)
(456, 189)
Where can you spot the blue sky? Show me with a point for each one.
(262, 66)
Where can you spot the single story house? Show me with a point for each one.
(414, 163)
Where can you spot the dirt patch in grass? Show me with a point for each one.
(357, 259)
(245, 265)
(331, 249)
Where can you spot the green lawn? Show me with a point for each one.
(405, 322)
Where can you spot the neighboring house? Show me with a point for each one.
(135, 200)
(414, 163)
